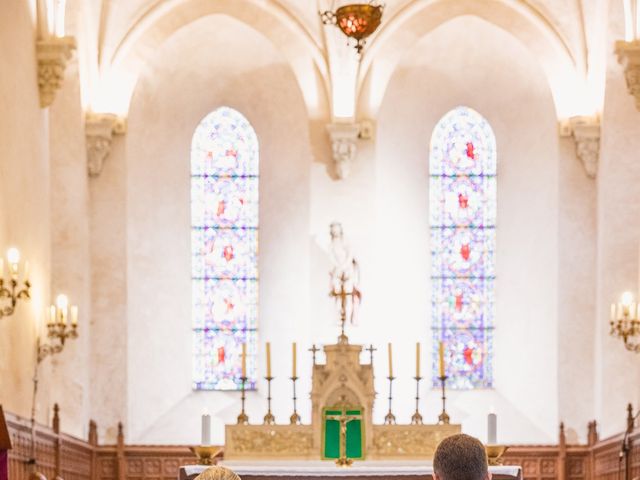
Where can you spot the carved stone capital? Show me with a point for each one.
(629, 57)
(52, 53)
(586, 134)
(99, 131)
(344, 146)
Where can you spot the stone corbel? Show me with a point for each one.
(52, 53)
(586, 134)
(344, 148)
(629, 57)
(99, 131)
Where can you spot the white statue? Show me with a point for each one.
(345, 273)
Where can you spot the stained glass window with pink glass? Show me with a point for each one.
(462, 167)
(224, 247)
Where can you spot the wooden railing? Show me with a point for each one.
(60, 455)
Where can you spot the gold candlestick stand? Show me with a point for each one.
(243, 418)
(390, 418)
(416, 419)
(294, 419)
(443, 418)
(269, 419)
(206, 454)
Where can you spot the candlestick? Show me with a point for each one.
(269, 418)
(441, 359)
(492, 429)
(243, 418)
(268, 350)
(206, 429)
(390, 418)
(443, 418)
(294, 351)
(390, 361)
(417, 359)
(74, 315)
(294, 419)
(416, 419)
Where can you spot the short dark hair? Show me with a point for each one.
(460, 457)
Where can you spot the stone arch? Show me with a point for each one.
(566, 74)
(159, 22)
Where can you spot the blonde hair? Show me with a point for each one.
(218, 473)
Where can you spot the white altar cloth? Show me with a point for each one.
(312, 468)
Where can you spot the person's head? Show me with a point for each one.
(460, 457)
(218, 473)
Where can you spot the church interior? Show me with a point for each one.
(318, 231)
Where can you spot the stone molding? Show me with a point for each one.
(344, 146)
(586, 135)
(52, 54)
(629, 57)
(99, 131)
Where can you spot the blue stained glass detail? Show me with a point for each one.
(224, 248)
(463, 164)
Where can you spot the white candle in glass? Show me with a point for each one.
(206, 429)
(492, 429)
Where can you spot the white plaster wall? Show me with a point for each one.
(215, 61)
(469, 62)
(24, 204)
(617, 371)
(70, 259)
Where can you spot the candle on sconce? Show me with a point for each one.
(74, 315)
(63, 304)
(441, 360)
(1, 268)
(26, 272)
(417, 359)
(206, 429)
(13, 258)
(52, 315)
(492, 428)
(244, 360)
(294, 351)
(390, 353)
(268, 351)
(613, 312)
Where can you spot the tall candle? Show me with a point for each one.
(244, 360)
(390, 361)
(26, 272)
(417, 359)
(268, 349)
(294, 369)
(492, 429)
(52, 315)
(74, 315)
(441, 359)
(206, 429)
(613, 312)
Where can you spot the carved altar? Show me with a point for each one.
(342, 380)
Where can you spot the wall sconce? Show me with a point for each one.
(10, 290)
(625, 323)
(628, 50)
(58, 328)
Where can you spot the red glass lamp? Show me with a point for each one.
(356, 21)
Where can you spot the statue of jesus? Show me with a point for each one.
(345, 273)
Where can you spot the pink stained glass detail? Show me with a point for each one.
(462, 185)
(224, 246)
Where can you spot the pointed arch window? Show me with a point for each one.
(224, 247)
(462, 168)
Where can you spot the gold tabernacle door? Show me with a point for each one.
(342, 387)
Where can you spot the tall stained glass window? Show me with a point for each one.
(224, 247)
(463, 236)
